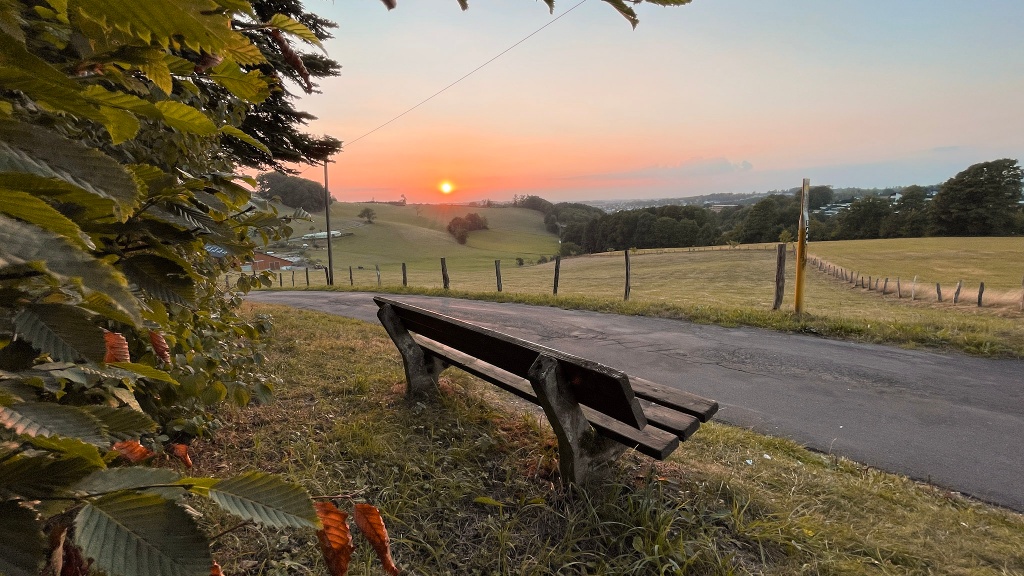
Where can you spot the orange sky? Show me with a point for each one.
(716, 96)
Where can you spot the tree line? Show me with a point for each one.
(983, 200)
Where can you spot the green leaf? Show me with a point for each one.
(185, 118)
(47, 419)
(622, 8)
(42, 476)
(121, 100)
(22, 543)
(141, 535)
(488, 501)
(286, 24)
(267, 499)
(91, 208)
(70, 448)
(250, 86)
(123, 423)
(237, 133)
(160, 278)
(66, 333)
(28, 149)
(30, 209)
(122, 126)
(132, 478)
(25, 243)
(145, 371)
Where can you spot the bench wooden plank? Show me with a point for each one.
(658, 441)
(702, 408)
(600, 387)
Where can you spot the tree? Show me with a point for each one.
(819, 196)
(292, 191)
(863, 219)
(979, 201)
(368, 214)
(120, 212)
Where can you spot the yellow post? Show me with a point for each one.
(801, 246)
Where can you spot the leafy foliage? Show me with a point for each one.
(115, 337)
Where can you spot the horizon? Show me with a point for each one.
(729, 96)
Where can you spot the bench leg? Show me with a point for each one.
(421, 368)
(580, 447)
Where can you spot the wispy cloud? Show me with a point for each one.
(686, 169)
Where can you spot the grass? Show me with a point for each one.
(467, 484)
(722, 285)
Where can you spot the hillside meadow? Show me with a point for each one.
(467, 484)
(724, 285)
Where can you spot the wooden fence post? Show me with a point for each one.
(351, 278)
(293, 278)
(405, 276)
(327, 276)
(280, 279)
(626, 295)
(913, 289)
(885, 286)
(869, 283)
(376, 268)
(981, 291)
(558, 266)
(497, 274)
(444, 273)
(307, 276)
(780, 276)
(956, 295)
(899, 292)
(938, 292)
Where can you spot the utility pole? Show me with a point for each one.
(801, 245)
(327, 212)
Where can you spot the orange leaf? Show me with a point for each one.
(117, 347)
(181, 452)
(372, 526)
(335, 538)
(132, 451)
(160, 347)
(215, 570)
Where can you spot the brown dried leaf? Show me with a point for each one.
(180, 451)
(335, 537)
(291, 57)
(75, 563)
(215, 570)
(160, 347)
(372, 526)
(117, 347)
(132, 451)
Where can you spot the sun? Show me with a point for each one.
(446, 187)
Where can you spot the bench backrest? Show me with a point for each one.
(594, 385)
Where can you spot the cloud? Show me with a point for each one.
(686, 169)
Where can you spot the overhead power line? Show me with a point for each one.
(470, 73)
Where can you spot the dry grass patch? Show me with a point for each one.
(467, 485)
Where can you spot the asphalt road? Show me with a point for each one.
(949, 419)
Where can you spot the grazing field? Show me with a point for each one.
(719, 285)
(466, 485)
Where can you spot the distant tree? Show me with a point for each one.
(293, 191)
(786, 237)
(368, 214)
(911, 215)
(863, 219)
(569, 249)
(980, 201)
(460, 227)
(819, 196)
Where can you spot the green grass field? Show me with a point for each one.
(467, 485)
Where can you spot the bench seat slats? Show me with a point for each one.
(698, 406)
(607, 390)
(657, 440)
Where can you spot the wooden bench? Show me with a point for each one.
(596, 411)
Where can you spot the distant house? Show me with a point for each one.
(894, 197)
(263, 262)
(720, 207)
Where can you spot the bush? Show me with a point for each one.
(519, 262)
(542, 260)
(460, 227)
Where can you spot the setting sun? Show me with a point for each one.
(446, 187)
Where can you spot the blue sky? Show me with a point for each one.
(715, 96)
